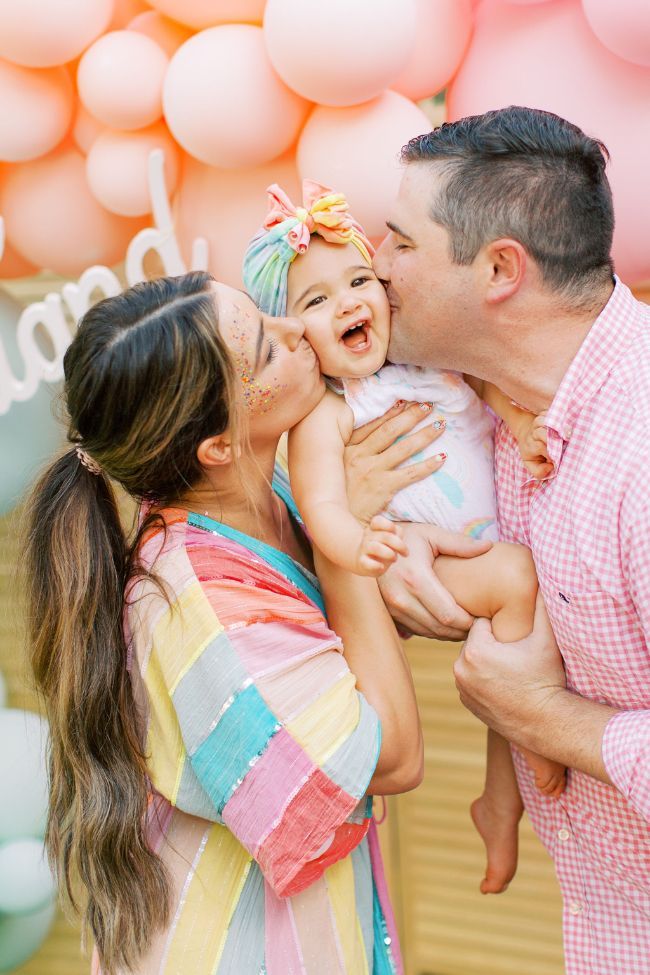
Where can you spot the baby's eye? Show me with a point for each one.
(359, 281)
(315, 301)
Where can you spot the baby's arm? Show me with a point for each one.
(529, 430)
(317, 477)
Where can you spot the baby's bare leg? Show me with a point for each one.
(502, 586)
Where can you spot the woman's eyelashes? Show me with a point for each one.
(273, 351)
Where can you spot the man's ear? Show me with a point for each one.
(215, 451)
(506, 262)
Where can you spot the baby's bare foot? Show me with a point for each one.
(499, 831)
(550, 777)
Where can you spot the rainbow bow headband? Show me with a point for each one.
(286, 233)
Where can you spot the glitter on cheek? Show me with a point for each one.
(260, 397)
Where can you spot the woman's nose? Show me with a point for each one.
(291, 330)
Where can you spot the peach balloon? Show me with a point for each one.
(124, 11)
(444, 28)
(85, 129)
(356, 150)
(120, 79)
(227, 207)
(37, 107)
(117, 171)
(13, 265)
(343, 53)
(225, 104)
(200, 14)
(162, 30)
(623, 27)
(44, 33)
(546, 56)
(53, 220)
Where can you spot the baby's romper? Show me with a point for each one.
(460, 496)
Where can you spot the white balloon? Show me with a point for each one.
(26, 881)
(23, 773)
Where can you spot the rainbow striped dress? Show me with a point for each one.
(260, 752)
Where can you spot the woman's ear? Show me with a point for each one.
(507, 260)
(215, 451)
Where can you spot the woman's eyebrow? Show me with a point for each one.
(258, 344)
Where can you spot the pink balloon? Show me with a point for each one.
(85, 129)
(444, 28)
(356, 150)
(117, 171)
(224, 103)
(547, 57)
(37, 107)
(53, 220)
(44, 33)
(206, 13)
(623, 27)
(162, 30)
(227, 206)
(347, 57)
(120, 79)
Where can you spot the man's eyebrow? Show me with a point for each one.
(396, 230)
(258, 344)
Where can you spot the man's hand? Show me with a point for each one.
(511, 686)
(375, 451)
(415, 597)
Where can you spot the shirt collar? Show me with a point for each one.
(603, 345)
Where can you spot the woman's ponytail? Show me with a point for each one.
(77, 565)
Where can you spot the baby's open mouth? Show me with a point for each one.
(357, 337)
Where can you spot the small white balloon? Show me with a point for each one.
(23, 773)
(26, 881)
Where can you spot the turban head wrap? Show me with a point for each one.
(286, 234)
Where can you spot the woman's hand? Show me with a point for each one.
(372, 457)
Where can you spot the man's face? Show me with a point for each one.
(433, 301)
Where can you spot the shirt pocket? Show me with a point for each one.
(602, 643)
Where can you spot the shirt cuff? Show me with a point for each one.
(626, 754)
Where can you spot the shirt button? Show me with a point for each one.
(563, 834)
(575, 907)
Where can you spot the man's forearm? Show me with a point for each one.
(568, 729)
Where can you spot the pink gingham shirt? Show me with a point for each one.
(588, 527)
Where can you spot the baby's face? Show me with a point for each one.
(343, 307)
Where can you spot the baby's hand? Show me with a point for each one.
(380, 545)
(533, 448)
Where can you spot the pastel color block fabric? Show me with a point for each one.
(260, 754)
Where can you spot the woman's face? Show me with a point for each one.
(277, 366)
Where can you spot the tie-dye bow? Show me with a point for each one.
(286, 234)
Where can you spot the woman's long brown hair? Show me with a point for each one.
(147, 378)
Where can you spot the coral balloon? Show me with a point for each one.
(370, 47)
(120, 79)
(224, 102)
(444, 28)
(227, 207)
(623, 27)
(85, 129)
(206, 13)
(124, 11)
(54, 221)
(117, 172)
(533, 57)
(44, 33)
(36, 110)
(13, 265)
(356, 150)
(162, 30)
